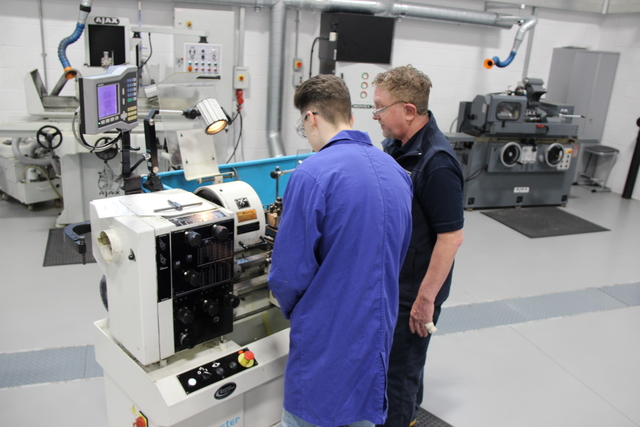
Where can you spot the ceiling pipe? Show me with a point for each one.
(387, 8)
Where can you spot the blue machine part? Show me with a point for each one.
(256, 173)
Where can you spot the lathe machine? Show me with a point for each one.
(192, 338)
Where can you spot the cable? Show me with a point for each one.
(80, 138)
(46, 175)
(148, 57)
(239, 136)
(476, 174)
(311, 55)
(452, 123)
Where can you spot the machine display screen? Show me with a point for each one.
(107, 100)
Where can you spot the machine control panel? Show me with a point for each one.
(195, 270)
(202, 58)
(109, 101)
(218, 370)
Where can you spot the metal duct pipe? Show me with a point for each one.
(276, 79)
(453, 15)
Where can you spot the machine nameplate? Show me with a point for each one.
(521, 189)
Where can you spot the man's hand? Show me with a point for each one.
(421, 315)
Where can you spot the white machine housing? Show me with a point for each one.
(156, 266)
(243, 201)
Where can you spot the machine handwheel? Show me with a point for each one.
(554, 154)
(510, 154)
(49, 137)
(110, 152)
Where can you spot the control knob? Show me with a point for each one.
(211, 307)
(187, 339)
(231, 300)
(220, 232)
(185, 315)
(193, 239)
(193, 277)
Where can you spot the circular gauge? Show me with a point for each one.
(510, 154)
(554, 154)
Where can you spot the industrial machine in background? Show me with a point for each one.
(519, 150)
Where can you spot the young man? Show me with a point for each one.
(344, 232)
(401, 98)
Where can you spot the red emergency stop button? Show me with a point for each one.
(141, 421)
(246, 359)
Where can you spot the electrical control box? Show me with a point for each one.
(241, 77)
(202, 58)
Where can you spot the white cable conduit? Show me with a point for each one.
(386, 8)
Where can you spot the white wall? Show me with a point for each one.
(451, 54)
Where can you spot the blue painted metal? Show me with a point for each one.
(256, 173)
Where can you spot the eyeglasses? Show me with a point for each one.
(300, 124)
(376, 113)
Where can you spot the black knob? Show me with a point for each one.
(206, 375)
(211, 307)
(231, 300)
(185, 315)
(193, 239)
(193, 277)
(220, 371)
(221, 233)
(187, 340)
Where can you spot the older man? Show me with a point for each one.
(401, 98)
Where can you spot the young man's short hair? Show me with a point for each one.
(326, 94)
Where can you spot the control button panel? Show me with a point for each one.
(218, 370)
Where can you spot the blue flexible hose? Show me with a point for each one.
(506, 62)
(62, 47)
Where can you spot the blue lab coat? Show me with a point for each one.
(343, 236)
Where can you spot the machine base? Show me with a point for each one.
(153, 396)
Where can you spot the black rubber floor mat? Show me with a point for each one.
(543, 221)
(58, 253)
(427, 419)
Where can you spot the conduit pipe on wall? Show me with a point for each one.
(387, 8)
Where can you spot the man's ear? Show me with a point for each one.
(351, 121)
(410, 111)
(313, 119)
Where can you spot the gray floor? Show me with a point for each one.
(536, 331)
